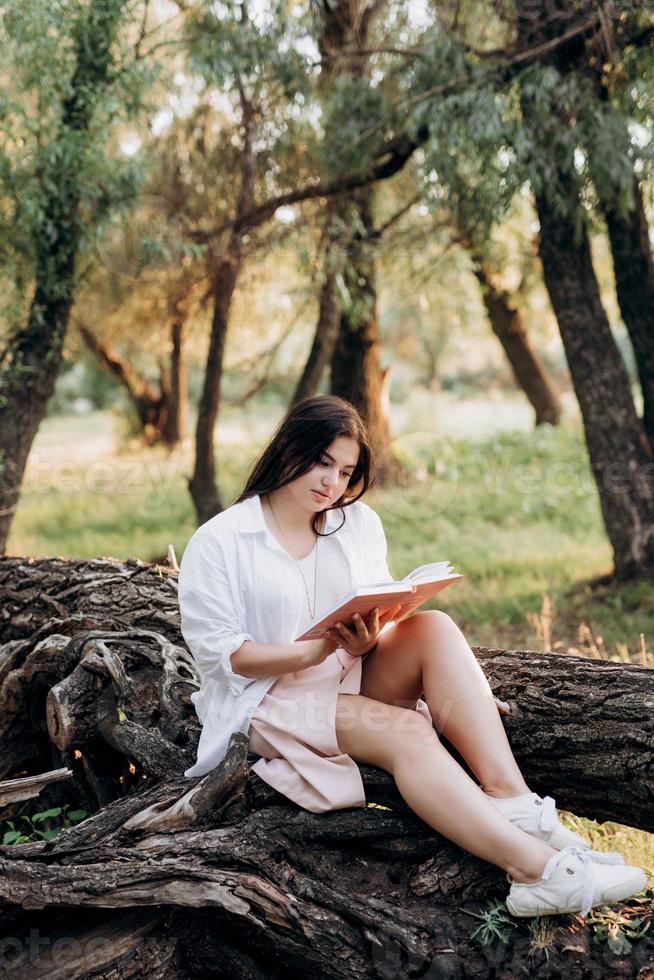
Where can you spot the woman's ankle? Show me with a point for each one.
(507, 791)
(530, 870)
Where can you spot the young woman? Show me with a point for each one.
(259, 573)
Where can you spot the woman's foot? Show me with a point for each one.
(538, 816)
(573, 882)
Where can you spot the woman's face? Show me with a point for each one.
(326, 482)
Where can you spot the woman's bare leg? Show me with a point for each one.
(428, 654)
(434, 785)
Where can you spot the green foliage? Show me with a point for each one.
(495, 924)
(618, 931)
(490, 134)
(611, 156)
(351, 107)
(471, 160)
(45, 825)
(259, 49)
(56, 115)
(609, 925)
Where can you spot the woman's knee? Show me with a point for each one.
(406, 743)
(430, 621)
(437, 619)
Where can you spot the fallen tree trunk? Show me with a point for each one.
(14, 790)
(221, 876)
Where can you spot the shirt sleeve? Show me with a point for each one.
(378, 570)
(210, 612)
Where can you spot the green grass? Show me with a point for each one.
(516, 512)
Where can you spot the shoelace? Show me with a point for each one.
(588, 887)
(547, 818)
(548, 821)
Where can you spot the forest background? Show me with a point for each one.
(438, 210)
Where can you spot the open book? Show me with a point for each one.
(410, 593)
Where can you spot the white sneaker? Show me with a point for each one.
(573, 882)
(538, 816)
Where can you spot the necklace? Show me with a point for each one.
(312, 612)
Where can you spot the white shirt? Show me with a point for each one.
(236, 583)
(334, 579)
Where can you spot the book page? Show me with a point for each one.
(429, 573)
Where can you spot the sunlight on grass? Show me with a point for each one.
(516, 512)
(636, 846)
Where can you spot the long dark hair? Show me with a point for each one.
(299, 442)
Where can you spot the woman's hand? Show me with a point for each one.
(365, 633)
(318, 650)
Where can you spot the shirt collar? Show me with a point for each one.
(253, 521)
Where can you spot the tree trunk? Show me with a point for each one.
(174, 425)
(356, 372)
(203, 486)
(528, 369)
(27, 382)
(31, 362)
(634, 279)
(620, 455)
(160, 413)
(149, 405)
(344, 26)
(633, 265)
(324, 340)
(540, 22)
(329, 314)
(221, 876)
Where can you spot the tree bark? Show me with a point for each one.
(342, 26)
(329, 310)
(628, 230)
(204, 489)
(324, 340)
(174, 426)
(620, 455)
(149, 404)
(202, 484)
(586, 52)
(26, 386)
(161, 413)
(15, 790)
(221, 875)
(634, 279)
(529, 371)
(356, 372)
(30, 365)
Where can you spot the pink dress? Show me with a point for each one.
(293, 730)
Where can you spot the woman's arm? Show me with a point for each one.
(212, 614)
(270, 659)
(212, 620)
